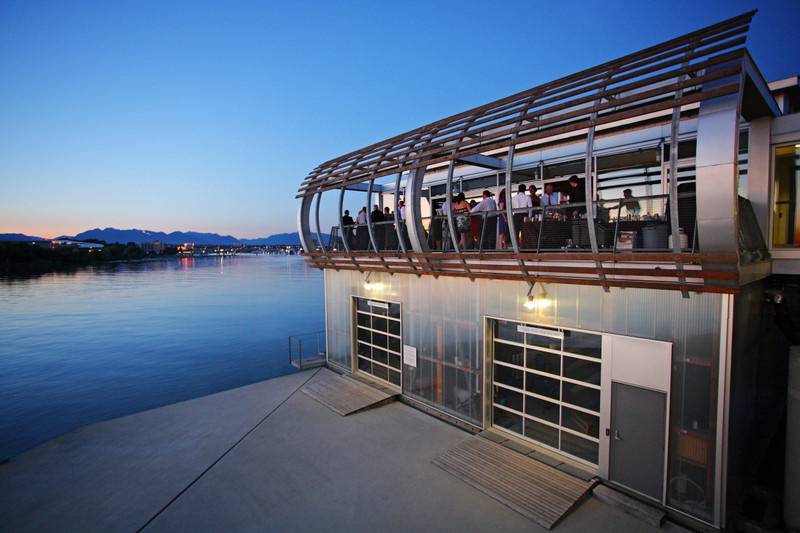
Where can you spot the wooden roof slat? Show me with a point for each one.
(740, 20)
(631, 283)
(492, 144)
(393, 155)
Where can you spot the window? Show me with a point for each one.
(785, 214)
(546, 386)
(378, 339)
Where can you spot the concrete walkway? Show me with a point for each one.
(261, 457)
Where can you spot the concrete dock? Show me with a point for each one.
(261, 457)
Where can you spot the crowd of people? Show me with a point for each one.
(382, 222)
(485, 225)
(479, 223)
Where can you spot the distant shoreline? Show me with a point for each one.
(22, 259)
(42, 267)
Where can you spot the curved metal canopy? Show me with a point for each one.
(643, 82)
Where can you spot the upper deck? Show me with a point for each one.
(610, 130)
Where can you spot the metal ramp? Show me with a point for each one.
(533, 489)
(344, 395)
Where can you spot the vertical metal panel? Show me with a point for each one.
(414, 227)
(443, 318)
(342, 229)
(338, 327)
(716, 168)
(370, 229)
(758, 175)
(398, 221)
(723, 393)
(590, 307)
(512, 230)
(316, 221)
(449, 203)
(567, 305)
(303, 225)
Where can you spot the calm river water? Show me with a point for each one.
(104, 342)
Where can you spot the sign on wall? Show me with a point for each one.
(409, 355)
(541, 331)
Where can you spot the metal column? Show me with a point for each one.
(717, 172)
(414, 227)
(303, 227)
(316, 220)
(345, 241)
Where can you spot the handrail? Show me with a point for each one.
(562, 227)
(296, 357)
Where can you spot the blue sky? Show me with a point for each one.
(206, 115)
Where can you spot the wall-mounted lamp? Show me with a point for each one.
(538, 300)
(372, 285)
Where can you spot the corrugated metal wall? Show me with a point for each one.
(443, 318)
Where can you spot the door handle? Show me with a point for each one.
(616, 435)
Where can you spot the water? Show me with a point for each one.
(108, 341)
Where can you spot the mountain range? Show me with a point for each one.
(139, 236)
(19, 237)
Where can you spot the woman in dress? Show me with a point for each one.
(503, 223)
(461, 212)
(474, 225)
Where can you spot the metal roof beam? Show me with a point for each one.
(364, 187)
(483, 161)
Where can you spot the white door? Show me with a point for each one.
(635, 397)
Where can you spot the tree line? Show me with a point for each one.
(22, 256)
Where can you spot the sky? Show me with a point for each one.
(206, 116)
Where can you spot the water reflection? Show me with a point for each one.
(90, 344)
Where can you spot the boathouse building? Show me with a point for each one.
(618, 326)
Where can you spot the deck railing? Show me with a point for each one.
(635, 224)
(307, 349)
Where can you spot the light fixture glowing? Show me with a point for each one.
(539, 301)
(372, 285)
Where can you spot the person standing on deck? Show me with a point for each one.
(347, 227)
(401, 215)
(389, 233)
(630, 203)
(377, 229)
(549, 198)
(474, 224)
(362, 237)
(461, 213)
(502, 220)
(535, 200)
(520, 201)
(577, 195)
(488, 209)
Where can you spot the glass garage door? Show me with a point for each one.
(546, 386)
(378, 339)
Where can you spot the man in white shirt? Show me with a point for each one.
(549, 197)
(401, 213)
(520, 200)
(362, 237)
(488, 221)
(487, 204)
